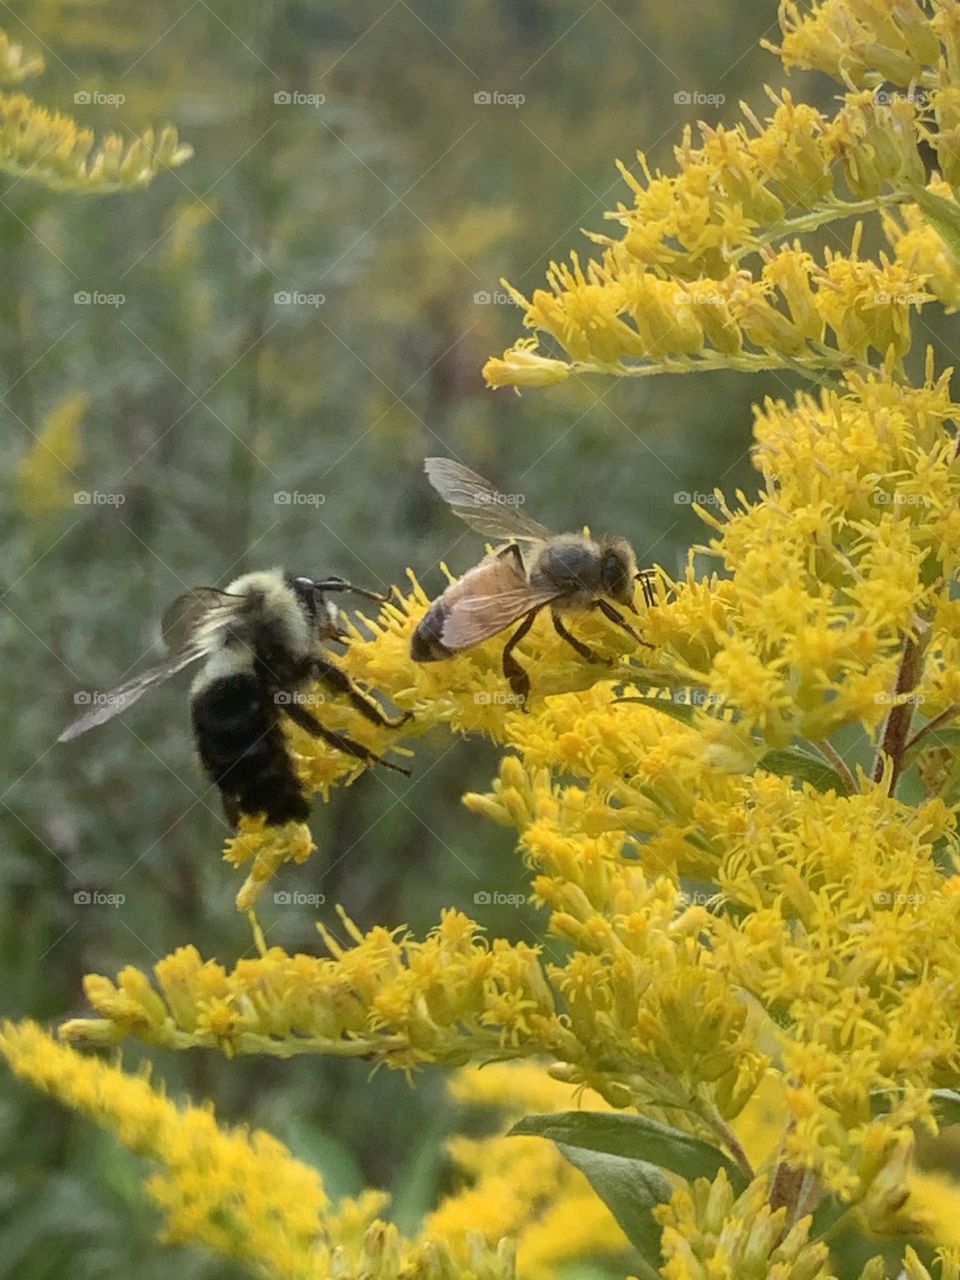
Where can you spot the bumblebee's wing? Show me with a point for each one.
(190, 627)
(126, 694)
(182, 618)
(476, 501)
(486, 600)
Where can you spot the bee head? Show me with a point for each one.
(321, 612)
(618, 568)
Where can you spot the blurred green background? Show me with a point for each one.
(401, 199)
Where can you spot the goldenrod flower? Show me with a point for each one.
(523, 1187)
(240, 1194)
(15, 64)
(708, 1231)
(52, 148)
(46, 477)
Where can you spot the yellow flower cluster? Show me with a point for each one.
(674, 292)
(16, 65)
(386, 997)
(707, 1230)
(46, 475)
(867, 41)
(53, 149)
(921, 250)
(522, 1187)
(744, 838)
(242, 1195)
(823, 943)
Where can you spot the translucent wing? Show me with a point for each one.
(125, 695)
(484, 508)
(486, 600)
(190, 627)
(182, 618)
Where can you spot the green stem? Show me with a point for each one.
(746, 362)
(933, 725)
(819, 217)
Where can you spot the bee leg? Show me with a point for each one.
(330, 674)
(517, 678)
(608, 611)
(584, 650)
(648, 586)
(307, 720)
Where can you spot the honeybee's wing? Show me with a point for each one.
(486, 600)
(181, 619)
(190, 627)
(483, 507)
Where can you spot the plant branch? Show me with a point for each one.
(896, 730)
(833, 757)
(933, 725)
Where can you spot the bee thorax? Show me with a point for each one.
(571, 565)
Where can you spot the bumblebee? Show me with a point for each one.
(259, 643)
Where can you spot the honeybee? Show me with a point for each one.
(569, 573)
(259, 642)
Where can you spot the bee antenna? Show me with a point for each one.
(336, 583)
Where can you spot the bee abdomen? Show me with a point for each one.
(242, 747)
(425, 644)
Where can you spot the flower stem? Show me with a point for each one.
(833, 756)
(933, 725)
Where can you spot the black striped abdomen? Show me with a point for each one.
(425, 643)
(242, 747)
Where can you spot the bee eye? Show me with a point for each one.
(614, 574)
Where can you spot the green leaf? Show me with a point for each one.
(945, 737)
(630, 1189)
(636, 1137)
(683, 711)
(942, 214)
(791, 762)
(946, 1103)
